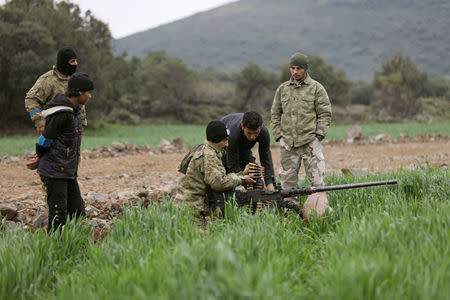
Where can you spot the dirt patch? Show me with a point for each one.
(132, 173)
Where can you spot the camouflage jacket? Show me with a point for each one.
(300, 111)
(45, 89)
(205, 173)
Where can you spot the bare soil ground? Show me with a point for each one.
(158, 171)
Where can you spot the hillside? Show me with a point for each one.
(350, 34)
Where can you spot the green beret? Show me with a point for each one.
(300, 60)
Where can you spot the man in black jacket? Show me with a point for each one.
(58, 151)
(245, 131)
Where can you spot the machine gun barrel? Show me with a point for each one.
(308, 190)
(218, 199)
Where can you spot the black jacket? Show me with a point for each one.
(59, 146)
(239, 152)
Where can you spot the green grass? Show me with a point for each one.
(387, 242)
(195, 134)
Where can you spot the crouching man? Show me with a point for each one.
(204, 171)
(58, 151)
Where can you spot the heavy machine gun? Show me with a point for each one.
(260, 197)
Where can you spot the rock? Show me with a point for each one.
(9, 211)
(10, 225)
(90, 154)
(118, 146)
(41, 208)
(116, 206)
(94, 197)
(381, 138)
(29, 211)
(27, 154)
(168, 189)
(134, 199)
(130, 146)
(354, 133)
(166, 147)
(91, 211)
(163, 143)
(354, 172)
(124, 194)
(9, 159)
(102, 149)
(23, 218)
(98, 223)
(178, 143)
(40, 221)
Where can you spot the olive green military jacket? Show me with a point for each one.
(205, 173)
(45, 89)
(300, 111)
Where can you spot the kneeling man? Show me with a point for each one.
(205, 172)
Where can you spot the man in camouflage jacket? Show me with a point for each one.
(300, 117)
(205, 171)
(49, 84)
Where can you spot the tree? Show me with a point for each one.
(397, 87)
(22, 55)
(361, 93)
(255, 88)
(31, 32)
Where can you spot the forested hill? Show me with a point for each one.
(354, 35)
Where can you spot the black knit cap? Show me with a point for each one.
(65, 54)
(80, 82)
(216, 131)
(300, 60)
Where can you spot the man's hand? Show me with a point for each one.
(270, 187)
(33, 163)
(40, 130)
(284, 145)
(246, 170)
(249, 180)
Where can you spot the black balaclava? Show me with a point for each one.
(62, 61)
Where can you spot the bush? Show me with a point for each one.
(123, 116)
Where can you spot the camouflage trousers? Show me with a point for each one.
(291, 161)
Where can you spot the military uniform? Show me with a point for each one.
(43, 91)
(301, 111)
(205, 173)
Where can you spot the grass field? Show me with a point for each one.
(195, 134)
(389, 242)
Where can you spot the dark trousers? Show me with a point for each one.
(63, 199)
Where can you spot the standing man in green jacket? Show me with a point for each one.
(51, 83)
(300, 117)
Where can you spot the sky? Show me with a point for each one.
(126, 17)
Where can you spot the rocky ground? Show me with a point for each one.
(111, 176)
